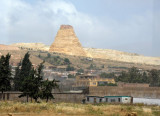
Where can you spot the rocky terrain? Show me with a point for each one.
(17, 56)
(32, 46)
(67, 42)
(7, 47)
(109, 54)
(122, 56)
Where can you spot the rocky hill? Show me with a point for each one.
(8, 47)
(122, 56)
(18, 55)
(67, 42)
(32, 46)
(114, 55)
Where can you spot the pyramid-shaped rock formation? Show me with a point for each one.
(67, 42)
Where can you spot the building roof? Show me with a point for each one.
(117, 96)
(95, 96)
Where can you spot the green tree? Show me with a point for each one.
(31, 86)
(70, 68)
(26, 67)
(16, 79)
(155, 77)
(134, 75)
(91, 66)
(27, 85)
(123, 77)
(67, 61)
(37, 82)
(26, 76)
(5, 73)
(47, 87)
(80, 71)
(145, 78)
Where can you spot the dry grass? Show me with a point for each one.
(68, 109)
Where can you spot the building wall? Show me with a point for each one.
(141, 92)
(126, 99)
(122, 84)
(59, 97)
(116, 99)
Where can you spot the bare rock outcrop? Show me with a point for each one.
(67, 42)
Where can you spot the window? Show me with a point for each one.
(106, 99)
(87, 98)
(126, 98)
(100, 100)
(113, 100)
(119, 99)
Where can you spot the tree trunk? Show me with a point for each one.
(47, 99)
(31, 99)
(27, 97)
(2, 96)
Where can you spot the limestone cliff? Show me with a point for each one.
(67, 42)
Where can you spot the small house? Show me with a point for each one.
(109, 99)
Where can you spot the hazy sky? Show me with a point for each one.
(126, 25)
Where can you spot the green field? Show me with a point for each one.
(72, 109)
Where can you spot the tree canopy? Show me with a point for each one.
(5, 73)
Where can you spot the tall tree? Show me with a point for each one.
(26, 67)
(5, 73)
(155, 77)
(134, 75)
(17, 80)
(26, 76)
(37, 82)
(27, 85)
(31, 85)
(47, 87)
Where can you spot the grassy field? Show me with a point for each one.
(71, 109)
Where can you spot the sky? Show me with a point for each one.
(125, 25)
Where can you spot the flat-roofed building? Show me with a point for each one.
(92, 80)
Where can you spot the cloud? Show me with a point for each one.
(39, 22)
(25, 22)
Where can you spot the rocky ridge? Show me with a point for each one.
(66, 42)
(110, 54)
(32, 46)
(116, 55)
(8, 47)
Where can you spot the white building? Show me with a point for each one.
(109, 99)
